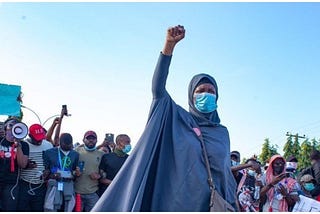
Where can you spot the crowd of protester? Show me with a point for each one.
(42, 172)
(278, 185)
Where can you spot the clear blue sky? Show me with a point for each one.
(98, 58)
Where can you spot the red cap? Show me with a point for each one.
(37, 132)
(90, 133)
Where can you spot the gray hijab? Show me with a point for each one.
(203, 119)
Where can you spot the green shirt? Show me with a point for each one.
(84, 184)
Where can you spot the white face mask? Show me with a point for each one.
(234, 163)
(252, 173)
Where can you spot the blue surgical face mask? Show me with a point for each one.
(234, 163)
(90, 148)
(308, 186)
(252, 173)
(127, 148)
(205, 102)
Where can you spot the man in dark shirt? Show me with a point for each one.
(112, 162)
(61, 168)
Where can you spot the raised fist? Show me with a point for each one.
(175, 34)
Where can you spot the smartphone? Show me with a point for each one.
(109, 137)
(64, 107)
(289, 174)
(81, 165)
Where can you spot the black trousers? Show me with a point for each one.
(8, 197)
(31, 197)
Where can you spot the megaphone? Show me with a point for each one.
(19, 130)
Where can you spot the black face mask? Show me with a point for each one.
(278, 169)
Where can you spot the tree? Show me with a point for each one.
(304, 157)
(296, 146)
(315, 144)
(267, 151)
(288, 147)
(273, 150)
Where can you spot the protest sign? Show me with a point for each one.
(306, 205)
(9, 104)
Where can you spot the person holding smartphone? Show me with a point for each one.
(56, 127)
(87, 184)
(279, 192)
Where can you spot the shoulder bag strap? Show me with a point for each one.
(210, 180)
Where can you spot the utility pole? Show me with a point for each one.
(295, 135)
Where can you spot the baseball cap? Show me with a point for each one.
(37, 132)
(306, 178)
(291, 165)
(235, 153)
(90, 133)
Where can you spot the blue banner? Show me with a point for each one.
(9, 104)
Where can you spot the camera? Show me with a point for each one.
(109, 137)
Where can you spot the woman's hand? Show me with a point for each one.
(174, 35)
(278, 178)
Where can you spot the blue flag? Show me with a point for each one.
(9, 104)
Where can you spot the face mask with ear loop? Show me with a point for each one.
(205, 102)
(309, 186)
(252, 173)
(127, 148)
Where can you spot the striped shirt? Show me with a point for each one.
(35, 154)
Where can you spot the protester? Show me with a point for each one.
(61, 168)
(280, 192)
(309, 184)
(235, 158)
(314, 169)
(11, 158)
(112, 162)
(292, 166)
(248, 189)
(166, 171)
(87, 184)
(238, 169)
(32, 187)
